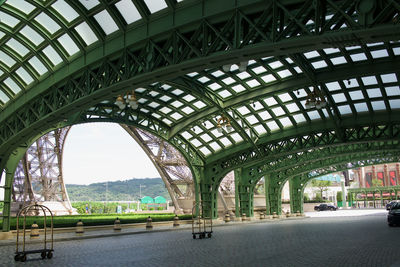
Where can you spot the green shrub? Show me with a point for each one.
(306, 198)
(92, 220)
(339, 196)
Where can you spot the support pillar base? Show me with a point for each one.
(6, 235)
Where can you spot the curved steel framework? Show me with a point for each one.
(255, 63)
(39, 175)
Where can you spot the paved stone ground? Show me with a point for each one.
(321, 241)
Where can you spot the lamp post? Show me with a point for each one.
(140, 196)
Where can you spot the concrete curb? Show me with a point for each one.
(185, 225)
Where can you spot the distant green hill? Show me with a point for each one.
(119, 190)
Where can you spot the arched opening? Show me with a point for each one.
(90, 156)
(227, 196)
(285, 198)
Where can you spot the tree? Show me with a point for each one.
(321, 185)
(377, 182)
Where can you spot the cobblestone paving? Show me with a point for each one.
(342, 241)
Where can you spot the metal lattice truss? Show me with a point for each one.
(170, 164)
(191, 62)
(39, 176)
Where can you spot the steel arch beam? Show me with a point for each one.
(166, 63)
(294, 144)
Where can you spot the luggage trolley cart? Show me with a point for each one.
(21, 255)
(204, 224)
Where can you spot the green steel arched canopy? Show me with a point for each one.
(213, 77)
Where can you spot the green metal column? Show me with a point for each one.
(7, 201)
(267, 179)
(246, 194)
(238, 173)
(296, 194)
(273, 194)
(197, 197)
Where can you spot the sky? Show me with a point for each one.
(99, 152)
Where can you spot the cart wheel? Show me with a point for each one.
(49, 255)
(16, 257)
(43, 254)
(23, 257)
(194, 236)
(209, 235)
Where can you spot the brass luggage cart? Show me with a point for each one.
(35, 208)
(201, 225)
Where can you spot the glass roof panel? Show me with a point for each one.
(69, 45)
(24, 75)
(345, 109)
(369, 80)
(394, 103)
(356, 95)
(3, 97)
(333, 86)
(268, 78)
(32, 35)
(51, 54)
(285, 97)
(389, 78)
(65, 10)
(106, 22)
(338, 60)
(12, 85)
(284, 73)
(205, 151)
(260, 129)
(378, 105)
(89, 4)
(6, 59)
(285, 122)
(339, 98)
(155, 5)
(331, 50)
(86, 33)
(278, 111)
(392, 91)
(319, 64)
(17, 46)
(299, 118)
(350, 83)
(275, 64)
(38, 65)
(292, 107)
(313, 115)
(239, 88)
(358, 57)
(22, 5)
(272, 125)
(8, 20)
(375, 92)
(311, 54)
(253, 83)
(48, 23)
(259, 69)
(361, 107)
(380, 53)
